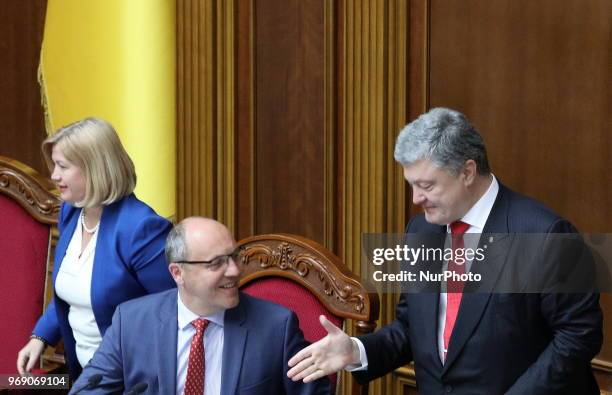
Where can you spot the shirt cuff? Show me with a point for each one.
(363, 358)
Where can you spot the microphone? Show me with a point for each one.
(92, 382)
(138, 388)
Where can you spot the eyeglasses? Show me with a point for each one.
(217, 262)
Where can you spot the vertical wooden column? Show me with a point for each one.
(402, 381)
(374, 70)
(225, 128)
(329, 125)
(245, 120)
(205, 101)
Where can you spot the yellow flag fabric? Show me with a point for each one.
(115, 59)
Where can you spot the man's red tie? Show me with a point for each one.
(454, 289)
(194, 384)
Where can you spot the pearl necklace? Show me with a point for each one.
(85, 228)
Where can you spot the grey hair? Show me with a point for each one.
(176, 244)
(445, 137)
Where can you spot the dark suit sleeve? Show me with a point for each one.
(294, 342)
(575, 320)
(107, 361)
(387, 348)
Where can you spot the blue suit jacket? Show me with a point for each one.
(129, 262)
(501, 343)
(140, 346)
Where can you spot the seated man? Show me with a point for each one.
(205, 338)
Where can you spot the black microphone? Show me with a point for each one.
(138, 389)
(92, 382)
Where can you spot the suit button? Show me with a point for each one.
(448, 389)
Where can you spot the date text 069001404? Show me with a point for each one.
(47, 381)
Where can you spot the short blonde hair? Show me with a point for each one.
(93, 145)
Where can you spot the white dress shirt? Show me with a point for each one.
(476, 217)
(213, 348)
(73, 285)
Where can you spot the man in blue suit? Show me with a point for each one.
(204, 338)
(471, 342)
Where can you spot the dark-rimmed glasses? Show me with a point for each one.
(217, 262)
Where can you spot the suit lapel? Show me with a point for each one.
(234, 342)
(430, 303)
(100, 266)
(428, 298)
(475, 299)
(166, 342)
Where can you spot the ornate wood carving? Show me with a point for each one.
(35, 194)
(288, 257)
(301, 259)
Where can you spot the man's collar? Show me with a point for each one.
(186, 316)
(477, 215)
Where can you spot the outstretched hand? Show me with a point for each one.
(326, 356)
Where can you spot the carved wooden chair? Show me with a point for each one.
(307, 278)
(29, 206)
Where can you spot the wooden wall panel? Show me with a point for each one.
(245, 115)
(256, 115)
(534, 77)
(22, 127)
(404, 382)
(418, 71)
(289, 117)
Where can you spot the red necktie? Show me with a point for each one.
(454, 289)
(194, 384)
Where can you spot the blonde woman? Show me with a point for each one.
(111, 245)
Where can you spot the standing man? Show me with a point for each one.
(469, 343)
(207, 338)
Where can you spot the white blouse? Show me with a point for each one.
(73, 285)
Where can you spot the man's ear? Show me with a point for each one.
(469, 172)
(176, 272)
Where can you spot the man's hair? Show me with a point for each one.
(176, 244)
(93, 146)
(445, 137)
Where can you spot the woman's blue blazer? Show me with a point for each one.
(128, 263)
